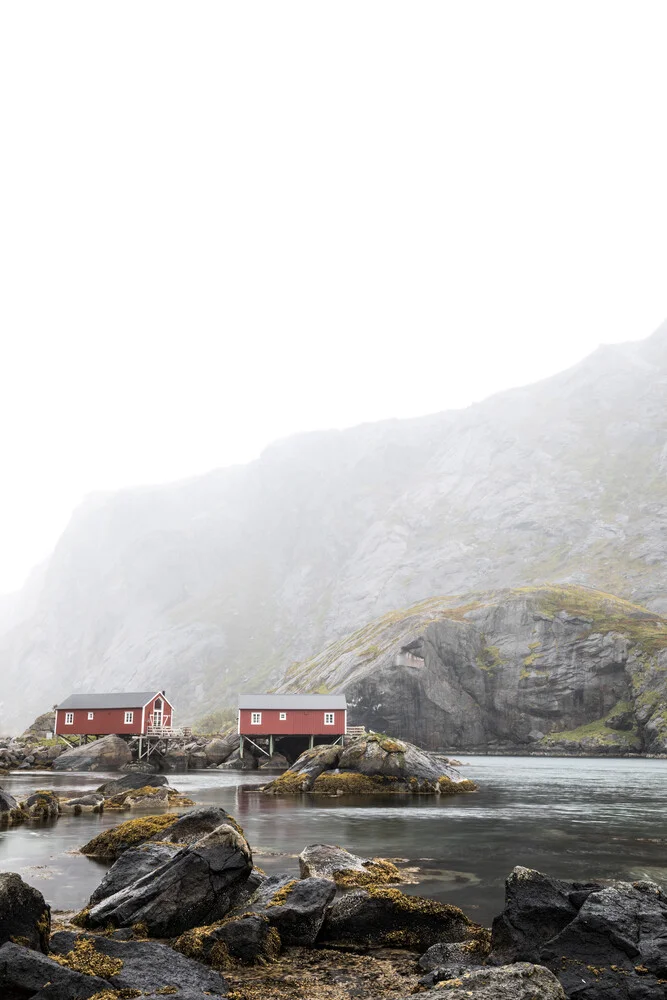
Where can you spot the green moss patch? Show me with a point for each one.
(112, 843)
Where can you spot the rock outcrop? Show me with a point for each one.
(131, 866)
(25, 917)
(194, 887)
(107, 754)
(370, 765)
(547, 669)
(521, 981)
(601, 941)
(133, 780)
(295, 907)
(382, 917)
(26, 974)
(562, 481)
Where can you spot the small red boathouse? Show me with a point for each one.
(277, 715)
(124, 713)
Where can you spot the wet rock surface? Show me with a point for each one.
(603, 942)
(24, 914)
(144, 965)
(195, 823)
(194, 887)
(383, 917)
(25, 974)
(131, 866)
(295, 907)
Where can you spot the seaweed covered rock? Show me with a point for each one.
(26, 973)
(25, 917)
(370, 765)
(11, 813)
(509, 982)
(193, 825)
(381, 917)
(41, 806)
(601, 941)
(135, 779)
(249, 939)
(107, 754)
(445, 960)
(136, 965)
(328, 861)
(295, 907)
(194, 887)
(131, 866)
(110, 844)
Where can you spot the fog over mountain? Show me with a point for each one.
(219, 583)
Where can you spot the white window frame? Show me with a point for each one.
(69, 718)
(329, 718)
(255, 718)
(283, 716)
(91, 715)
(129, 718)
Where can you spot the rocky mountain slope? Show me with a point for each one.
(217, 584)
(564, 668)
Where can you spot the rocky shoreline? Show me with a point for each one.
(184, 910)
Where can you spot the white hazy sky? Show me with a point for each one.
(225, 222)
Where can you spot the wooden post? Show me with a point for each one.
(141, 751)
(271, 746)
(312, 741)
(241, 749)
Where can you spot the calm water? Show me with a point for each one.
(578, 819)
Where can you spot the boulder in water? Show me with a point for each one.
(370, 765)
(328, 861)
(135, 779)
(41, 806)
(107, 754)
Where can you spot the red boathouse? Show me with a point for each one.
(278, 715)
(131, 713)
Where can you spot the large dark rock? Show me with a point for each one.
(509, 982)
(135, 779)
(371, 764)
(295, 907)
(25, 974)
(383, 917)
(603, 943)
(146, 965)
(194, 887)
(131, 866)
(24, 915)
(537, 908)
(249, 938)
(107, 754)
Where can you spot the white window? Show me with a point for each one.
(69, 718)
(256, 719)
(129, 718)
(91, 715)
(283, 716)
(328, 718)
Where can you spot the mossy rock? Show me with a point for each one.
(111, 843)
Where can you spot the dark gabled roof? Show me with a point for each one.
(293, 701)
(114, 699)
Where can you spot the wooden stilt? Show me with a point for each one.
(312, 742)
(241, 749)
(270, 746)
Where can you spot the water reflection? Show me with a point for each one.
(579, 819)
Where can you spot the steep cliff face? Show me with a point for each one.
(548, 667)
(215, 585)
